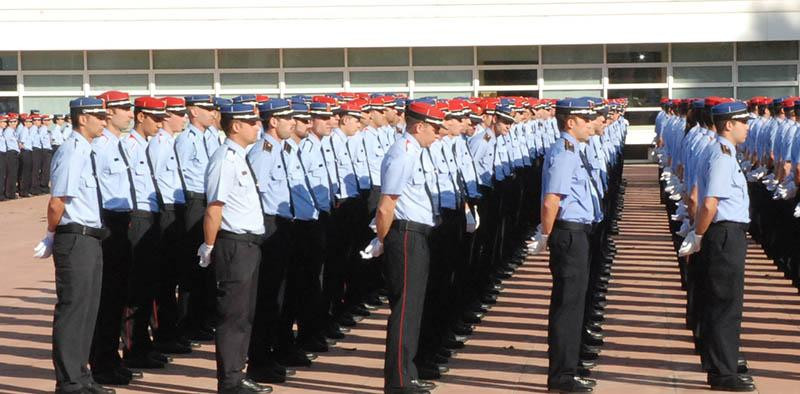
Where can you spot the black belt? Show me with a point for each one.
(171, 207)
(75, 228)
(109, 214)
(572, 226)
(194, 196)
(143, 214)
(728, 223)
(406, 225)
(246, 237)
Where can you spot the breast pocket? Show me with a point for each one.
(277, 174)
(116, 167)
(141, 169)
(739, 183)
(419, 177)
(88, 181)
(172, 165)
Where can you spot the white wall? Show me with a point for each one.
(176, 24)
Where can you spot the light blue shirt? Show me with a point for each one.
(359, 156)
(305, 205)
(723, 179)
(482, 147)
(373, 143)
(160, 150)
(72, 177)
(445, 182)
(45, 138)
(404, 177)
(35, 137)
(563, 175)
(24, 138)
(195, 148)
(228, 180)
(313, 161)
(57, 136)
(268, 158)
(466, 166)
(345, 168)
(115, 185)
(135, 147)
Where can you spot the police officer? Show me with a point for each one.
(3, 157)
(25, 172)
(233, 233)
(568, 210)
(404, 220)
(74, 231)
(193, 148)
(268, 159)
(36, 153)
(57, 131)
(47, 153)
(720, 236)
(164, 166)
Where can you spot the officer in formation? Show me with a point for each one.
(26, 150)
(580, 183)
(707, 176)
(319, 171)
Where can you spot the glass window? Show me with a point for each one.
(443, 78)
(52, 60)
(637, 53)
(645, 118)
(500, 93)
(8, 61)
(637, 75)
(767, 50)
(48, 105)
(248, 80)
(444, 95)
(560, 94)
(702, 74)
(701, 92)
(768, 73)
(639, 97)
(702, 52)
(9, 104)
(377, 57)
(769, 91)
(314, 80)
(323, 57)
(40, 83)
(191, 59)
(118, 60)
(572, 54)
(508, 77)
(248, 58)
(508, 55)
(444, 56)
(8, 83)
(184, 81)
(573, 76)
(122, 82)
(378, 78)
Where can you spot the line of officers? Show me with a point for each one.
(27, 143)
(704, 150)
(298, 185)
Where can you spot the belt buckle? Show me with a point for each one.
(84, 230)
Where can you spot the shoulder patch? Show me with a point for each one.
(725, 149)
(267, 146)
(230, 155)
(568, 145)
(486, 137)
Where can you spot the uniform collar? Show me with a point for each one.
(272, 140)
(724, 141)
(110, 135)
(194, 130)
(138, 137)
(235, 147)
(569, 137)
(410, 140)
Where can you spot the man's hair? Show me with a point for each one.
(73, 117)
(561, 121)
(720, 124)
(226, 122)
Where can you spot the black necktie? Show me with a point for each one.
(130, 176)
(255, 182)
(97, 187)
(287, 148)
(588, 169)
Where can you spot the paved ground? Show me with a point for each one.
(647, 350)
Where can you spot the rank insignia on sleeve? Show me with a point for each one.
(267, 146)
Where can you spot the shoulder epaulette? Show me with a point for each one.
(568, 146)
(725, 149)
(267, 147)
(486, 137)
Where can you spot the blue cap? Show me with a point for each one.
(245, 99)
(300, 111)
(219, 102)
(88, 105)
(300, 98)
(581, 106)
(505, 112)
(400, 104)
(321, 109)
(730, 110)
(200, 100)
(699, 103)
(239, 111)
(275, 107)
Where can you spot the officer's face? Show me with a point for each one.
(321, 126)
(451, 127)
(120, 117)
(284, 127)
(739, 130)
(487, 120)
(501, 127)
(391, 115)
(205, 117)
(426, 133)
(13, 123)
(148, 124)
(378, 118)
(174, 121)
(247, 130)
(93, 125)
(349, 125)
(580, 128)
(333, 122)
(301, 127)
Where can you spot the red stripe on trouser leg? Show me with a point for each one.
(402, 310)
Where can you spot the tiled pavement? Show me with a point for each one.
(647, 349)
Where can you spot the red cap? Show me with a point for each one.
(324, 99)
(175, 104)
(425, 112)
(115, 98)
(260, 98)
(13, 115)
(352, 108)
(150, 105)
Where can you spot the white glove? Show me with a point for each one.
(680, 213)
(665, 175)
(472, 224)
(44, 249)
(797, 210)
(685, 228)
(691, 244)
(204, 251)
(746, 166)
(787, 190)
(374, 249)
(675, 196)
(373, 226)
(538, 243)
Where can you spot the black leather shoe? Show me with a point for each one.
(489, 299)
(428, 372)
(294, 358)
(156, 355)
(452, 344)
(588, 364)
(187, 342)
(445, 352)
(373, 301)
(731, 383)
(129, 373)
(334, 334)
(172, 347)
(422, 384)
(265, 374)
(143, 362)
(346, 320)
(471, 318)
(113, 378)
(358, 310)
(462, 329)
(94, 388)
(741, 366)
(592, 342)
(246, 386)
(405, 390)
(587, 333)
(576, 385)
(371, 307)
(314, 346)
(438, 359)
